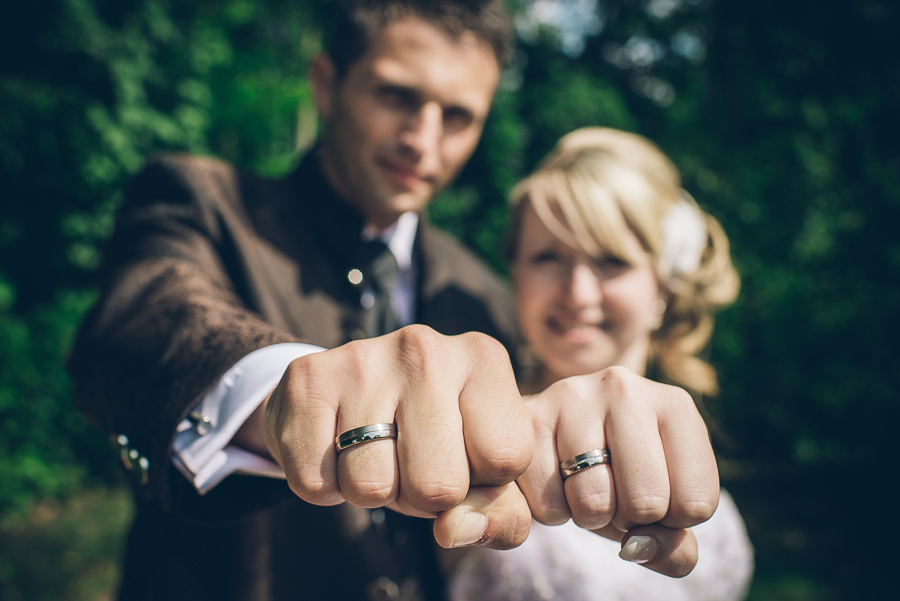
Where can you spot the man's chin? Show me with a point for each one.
(408, 201)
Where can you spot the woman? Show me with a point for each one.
(613, 264)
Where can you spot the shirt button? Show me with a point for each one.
(382, 589)
(142, 470)
(367, 300)
(355, 277)
(357, 334)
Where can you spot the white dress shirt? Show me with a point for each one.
(202, 449)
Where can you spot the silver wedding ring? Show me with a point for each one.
(364, 434)
(583, 462)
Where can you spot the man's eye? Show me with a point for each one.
(397, 97)
(456, 119)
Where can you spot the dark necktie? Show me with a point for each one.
(381, 272)
(396, 547)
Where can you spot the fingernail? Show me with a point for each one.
(471, 530)
(639, 549)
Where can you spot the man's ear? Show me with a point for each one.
(323, 76)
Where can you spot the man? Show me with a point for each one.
(215, 280)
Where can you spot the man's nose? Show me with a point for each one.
(423, 129)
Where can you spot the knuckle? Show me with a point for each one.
(679, 396)
(591, 509)
(313, 489)
(372, 480)
(420, 347)
(647, 509)
(573, 391)
(305, 381)
(619, 378)
(434, 497)
(508, 463)
(486, 348)
(568, 387)
(418, 335)
(513, 534)
(371, 494)
(296, 376)
(624, 384)
(547, 504)
(693, 511)
(593, 502)
(551, 516)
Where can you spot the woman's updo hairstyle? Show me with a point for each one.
(598, 181)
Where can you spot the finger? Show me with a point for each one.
(590, 493)
(493, 517)
(300, 431)
(542, 483)
(639, 466)
(669, 551)
(431, 452)
(366, 473)
(499, 439)
(693, 473)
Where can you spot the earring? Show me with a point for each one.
(659, 311)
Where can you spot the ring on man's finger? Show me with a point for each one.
(364, 434)
(583, 462)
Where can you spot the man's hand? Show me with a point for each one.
(460, 422)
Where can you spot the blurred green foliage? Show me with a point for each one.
(780, 115)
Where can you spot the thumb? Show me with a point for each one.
(496, 517)
(669, 551)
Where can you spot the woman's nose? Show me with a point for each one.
(583, 287)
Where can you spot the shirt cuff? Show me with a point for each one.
(202, 449)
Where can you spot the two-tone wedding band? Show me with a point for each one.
(364, 434)
(583, 462)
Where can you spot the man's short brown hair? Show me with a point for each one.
(359, 21)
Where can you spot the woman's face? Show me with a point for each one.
(581, 314)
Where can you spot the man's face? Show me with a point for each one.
(405, 118)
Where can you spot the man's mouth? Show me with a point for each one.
(402, 174)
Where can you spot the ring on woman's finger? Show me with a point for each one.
(584, 461)
(364, 434)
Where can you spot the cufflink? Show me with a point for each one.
(202, 424)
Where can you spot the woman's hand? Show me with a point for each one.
(662, 476)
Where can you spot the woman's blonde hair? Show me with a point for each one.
(596, 183)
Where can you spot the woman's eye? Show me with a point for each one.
(543, 257)
(610, 262)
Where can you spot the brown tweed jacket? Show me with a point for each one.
(206, 265)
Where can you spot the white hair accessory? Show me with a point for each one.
(684, 239)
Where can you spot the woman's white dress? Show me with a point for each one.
(571, 564)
